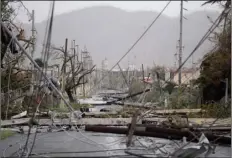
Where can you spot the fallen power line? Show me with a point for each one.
(166, 133)
(136, 42)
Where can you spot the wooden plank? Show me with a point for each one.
(7, 123)
(23, 114)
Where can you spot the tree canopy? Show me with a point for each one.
(216, 66)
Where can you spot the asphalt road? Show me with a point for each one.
(66, 143)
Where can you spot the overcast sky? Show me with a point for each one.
(42, 7)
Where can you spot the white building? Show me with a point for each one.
(187, 74)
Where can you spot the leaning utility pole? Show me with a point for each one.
(180, 40)
(32, 52)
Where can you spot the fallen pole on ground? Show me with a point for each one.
(160, 133)
(193, 129)
(130, 96)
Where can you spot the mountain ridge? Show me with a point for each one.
(108, 32)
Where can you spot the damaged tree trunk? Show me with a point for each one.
(70, 95)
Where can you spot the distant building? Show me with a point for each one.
(148, 80)
(187, 74)
(105, 64)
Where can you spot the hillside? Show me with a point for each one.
(108, 32)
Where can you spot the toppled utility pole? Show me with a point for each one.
(124, 77)
(159, 132)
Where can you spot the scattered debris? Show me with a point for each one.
(23, 114)
(202, 147)
(158, 132)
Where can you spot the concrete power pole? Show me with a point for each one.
(180, 40)
(74, 62)
(74, 53)
(33, 50)
(64, 71)
(77, 53)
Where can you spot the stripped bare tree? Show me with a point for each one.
(76, 75)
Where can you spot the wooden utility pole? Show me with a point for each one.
(65, 54)
(124, 77)
(0, 101)
(226, 92)
(180, 40)
(143, 76)
(132, 128)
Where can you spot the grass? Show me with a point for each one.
(78, 106)
(217, 111)
(6, 133)
(60, 109)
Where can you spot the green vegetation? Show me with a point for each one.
(217, 110)
(217, 63)
(6, 11)
(78, 106)
(216, 66)
(6, 133)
